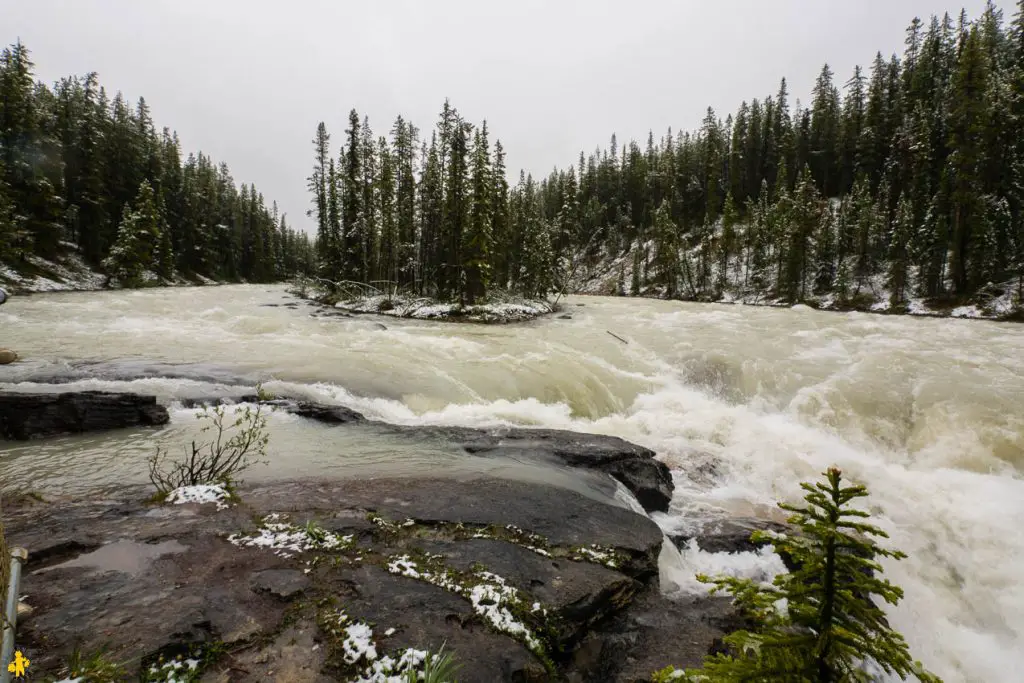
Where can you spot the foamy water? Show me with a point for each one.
(743, 403)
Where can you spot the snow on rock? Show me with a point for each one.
(201, 493)
(286, 539)
(967, 312)
(490, 595)
(917, 307)
(881, 306)
(426, 309)
(175, 671)
(359, 648)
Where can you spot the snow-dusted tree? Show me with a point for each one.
(138, 237)
(899, 260)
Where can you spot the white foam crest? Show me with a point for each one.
(162, 387)
(679, 569)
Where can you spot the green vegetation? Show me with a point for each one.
(220, 460)
(94, 668)
(819, 623)
(82, 171)
(438, 667)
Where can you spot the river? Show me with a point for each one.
(741, 402)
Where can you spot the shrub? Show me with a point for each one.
(220, 460)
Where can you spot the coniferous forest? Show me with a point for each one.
(900, 180)
(86, 173)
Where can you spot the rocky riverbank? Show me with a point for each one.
(321, 580)
(318, 580)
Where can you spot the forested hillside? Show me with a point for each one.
(83, 174)
(900, 181)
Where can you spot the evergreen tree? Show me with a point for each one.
(477, 241)
(354, 234)
(899, 258)
(831, 623)
(666, 250)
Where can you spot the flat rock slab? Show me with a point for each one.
(564, 517)
(24, 415)
(142, 581)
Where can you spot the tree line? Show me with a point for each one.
(79, 170)
(905, 179)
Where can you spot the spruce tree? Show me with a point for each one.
(477, 240)
(831, 625)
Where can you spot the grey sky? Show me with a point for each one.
(247, 81)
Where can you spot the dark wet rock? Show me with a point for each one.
(24, 416)
(209, 401)
(176, 581)
(635, 466)
(322, 413)
(653, 633)
(565, 317)
(730, 535)
(281, 583)
(578, 594)
(379, 326)
(424, 615)
(647, 478)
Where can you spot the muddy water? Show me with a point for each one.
(741, 402)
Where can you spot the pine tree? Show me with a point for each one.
(899, 258)
(137, 239)
(831, 623)
(390, 240)
(500, 225)
(318, 186)
(477, 240)
(354, 235)
(666, 239)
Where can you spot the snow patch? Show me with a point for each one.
(491, 597)
(201, 494)
(967, 312)
(286, 539)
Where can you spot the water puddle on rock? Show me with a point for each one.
(127, 557)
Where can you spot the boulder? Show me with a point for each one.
(24, 416)
(647, 478)
(7, 356)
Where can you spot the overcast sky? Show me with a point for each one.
(246, 81)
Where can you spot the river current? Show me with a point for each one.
(741, 402)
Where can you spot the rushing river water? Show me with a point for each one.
(743, 403)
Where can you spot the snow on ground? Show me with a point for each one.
(426, 309)
(286, 539)
(967, 312)
(360, 647)
(71, 274)
(601, 276)
(201, 493)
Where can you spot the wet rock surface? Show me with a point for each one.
(405, 558)
(731, 535)
(25, 416)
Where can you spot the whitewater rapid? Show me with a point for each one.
(742, 403)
